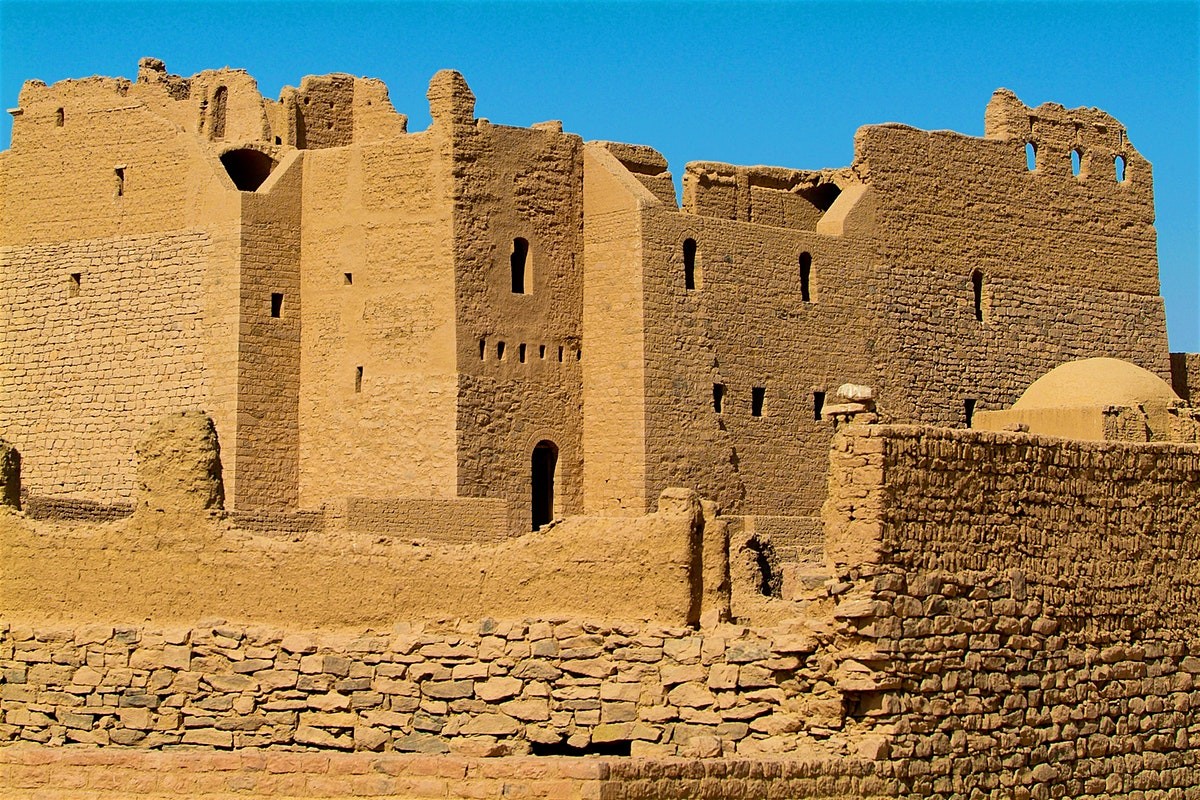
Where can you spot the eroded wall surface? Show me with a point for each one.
(1031, 626)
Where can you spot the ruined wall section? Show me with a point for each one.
(378, 372)
(1066, 263)
(745, 327)
(118, 285)
(517, 198)
(1032, 626)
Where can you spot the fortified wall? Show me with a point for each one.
(343, 460)
(388, 320)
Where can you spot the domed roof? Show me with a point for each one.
(1092, 382)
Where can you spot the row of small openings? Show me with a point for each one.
(1031, 162)
(758, 397)
(523, 352)
(692, 275)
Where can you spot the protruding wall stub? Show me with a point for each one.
(647, 165)
(451, 101)
(10, 476)
(179, 465)
(154, 70)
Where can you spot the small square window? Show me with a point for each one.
(348, 278)
(276, 304)
(73, 283)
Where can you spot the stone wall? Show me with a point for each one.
(550, 686)
(1027, 607)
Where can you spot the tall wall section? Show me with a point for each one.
(1031, 627)
(518, 208)
(1067, 262)
(746, 328)
(118, 281)
(614, 374)
(378, 375)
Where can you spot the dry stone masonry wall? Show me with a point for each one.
(1033, 625)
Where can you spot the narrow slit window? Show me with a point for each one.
(969, 410)
(521, 352)
(59, 118)
(276, 304)
(541, 351)
(278, 140)
(499, 351)
(718, 397)
(1119, 168)
(1076, 162)
(119, 173)
(757, 396)
(689, 264)
(358, 380)
(348, 278)
(482, 348)
(560, 355)
(73, 282)
(806, 277)
(977, 291)
(519, 261)
(579, 354)
(1030, 156)
(818, 405)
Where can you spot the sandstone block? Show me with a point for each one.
(693, 695)
(208, 736)
(496, 689)
(491, 725)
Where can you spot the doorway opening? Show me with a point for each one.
(543, 465)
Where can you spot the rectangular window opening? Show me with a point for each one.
(718, 397)
(541, 351)
(818, 405)
(482, 348)
(969, 410)
(560, 355)
(119, 172)
(519, 262)
(348, 278)
(521, 352)
(757, 395)
(357, 380)
(499, 351)
(73, 284)
(276, 304)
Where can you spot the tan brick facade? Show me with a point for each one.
(357, 324)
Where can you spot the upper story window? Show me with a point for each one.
(691, 268)
(519, 261)
(806, 277)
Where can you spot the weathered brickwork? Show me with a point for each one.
(97, 339)
(1033, 624)
(504, 313)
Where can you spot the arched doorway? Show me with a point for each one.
(542, 466)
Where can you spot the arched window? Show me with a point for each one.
(543, 464)
(1030, 156)
(690, 276)
(806, 277)
(1119, 168)
(977, 290)
(248, 168)
(519, 261)
(1076, 162)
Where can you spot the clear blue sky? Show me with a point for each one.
(749, 83)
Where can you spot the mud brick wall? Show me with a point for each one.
(548, 686)
(97, 339)
(1034, 624)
